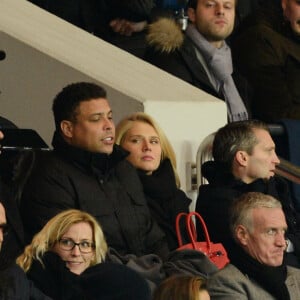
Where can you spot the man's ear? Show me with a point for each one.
(66, 128)
(241, 233)
(191, 14)
(241, 157)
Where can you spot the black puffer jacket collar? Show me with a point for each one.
(217, 174)
(89, 160)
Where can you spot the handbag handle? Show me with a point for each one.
(178, 232)
(190, 225)
(191, 229)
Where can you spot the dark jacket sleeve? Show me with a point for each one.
(15, 285)
(13, 243)
(47, 192)
(170, 62)
(54, 279)
(271, 72)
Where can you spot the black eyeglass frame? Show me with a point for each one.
(63, 247)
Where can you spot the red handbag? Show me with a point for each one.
(215, 252)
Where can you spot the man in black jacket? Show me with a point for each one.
(87, 171)
(244, 161)
(14, 241)
(13, 281)
(201, 56)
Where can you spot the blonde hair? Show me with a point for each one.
(52, 232)
(166, 147)
(180, 287)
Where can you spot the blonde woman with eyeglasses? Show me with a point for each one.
(68, 244)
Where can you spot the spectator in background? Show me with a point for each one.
(86, 14)
(182, 287)
(201, 56)
(244, 161)
(87, 171)
(152, 154)
(8, 158)
(267, 52)
(14, 242)
(125, 24)
(121, 23)
(13, 281)
(68, 244)
(257, 269)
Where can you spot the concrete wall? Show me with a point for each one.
(44, 53)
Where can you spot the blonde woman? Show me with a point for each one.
(67, 245)
(152, 154)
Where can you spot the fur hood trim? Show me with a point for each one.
(165, 35)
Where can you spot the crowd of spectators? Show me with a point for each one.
(96, 216)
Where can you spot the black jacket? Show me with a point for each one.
(174, 52)
(267, 53)
(13, 243)
(215, 198)
(165, 200)
(14, 285)
(106, 186)
(54, 279)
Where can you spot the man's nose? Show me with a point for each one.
(108, 125)
(219, 9)
(276, 159)
(281, 240)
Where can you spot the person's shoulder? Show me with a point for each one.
(216, 192)
(229, 271)
(46, 158)
(12, 269)
(292, 271)
(292, 280)
(119, 161)
(261, 34)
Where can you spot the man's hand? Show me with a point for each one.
(127, 28)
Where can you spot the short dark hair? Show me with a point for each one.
(66, 102)
(233, 137)
(193, 3)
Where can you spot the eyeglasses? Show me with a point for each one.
(68, 245)
(4, 228)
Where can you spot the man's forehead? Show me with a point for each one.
(92, 105)
(94, 101)
(269, 217)
(218, 1)
(262, 135)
